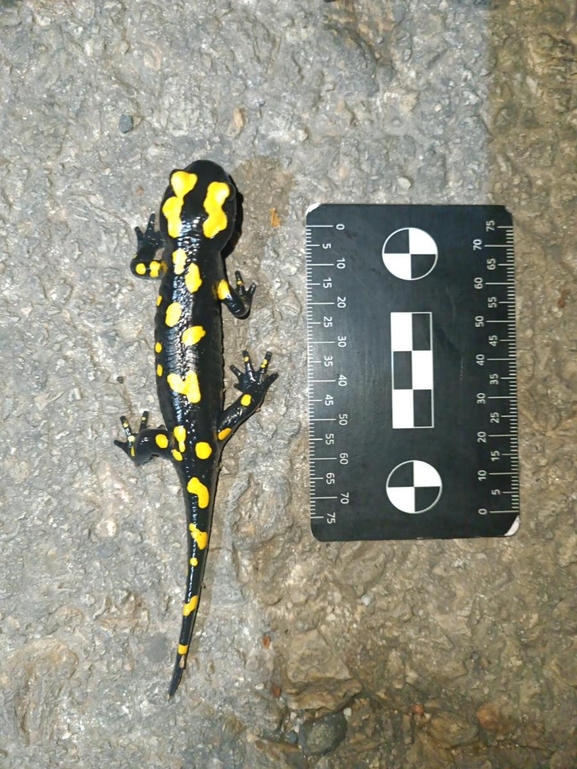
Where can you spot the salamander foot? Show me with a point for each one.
(146, 444)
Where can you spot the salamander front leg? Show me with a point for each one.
(145, 264)
(253, 386)
(146, 444)
(239, 299)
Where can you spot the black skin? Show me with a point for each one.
(190, 376)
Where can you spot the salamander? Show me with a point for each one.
(199, 224)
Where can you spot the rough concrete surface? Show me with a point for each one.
(439, 654)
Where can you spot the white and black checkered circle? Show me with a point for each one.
(410, 253)
(414, 486)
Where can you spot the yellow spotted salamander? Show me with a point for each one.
(199, 225)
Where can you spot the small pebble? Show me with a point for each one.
(322, 735)
(125, 124)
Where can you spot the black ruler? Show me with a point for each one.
(412, 374)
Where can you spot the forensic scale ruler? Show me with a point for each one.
(411, 372)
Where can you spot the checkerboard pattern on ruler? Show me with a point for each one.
(412, 370)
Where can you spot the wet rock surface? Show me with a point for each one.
(437, 654)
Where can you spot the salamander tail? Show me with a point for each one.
(176, 676)
(198, 529)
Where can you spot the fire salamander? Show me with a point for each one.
(199, 220)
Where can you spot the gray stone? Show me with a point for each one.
(320, 736)
(125, 124)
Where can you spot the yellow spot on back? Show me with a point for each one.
(155, 267)
(158, 347)
(246, 400)
(180, 435)
(159, 370)
(203, 450)
(158, 301)
(171, 209)
(193, 335)
(179, 260)
(182, 183)
(223, 290)
(189, 607)
(161, 440)
(192, 279)
(173, 313)
(216, 194)
(200, 537)
(224, 433)
(194, 561)
(188, 386)
(177, 455)
(182, 649)
(140, 269)
(195, 486)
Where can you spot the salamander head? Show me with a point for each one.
(200, 204)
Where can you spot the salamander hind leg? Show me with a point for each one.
(253, 384)
(146, 444)
(145, 264)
